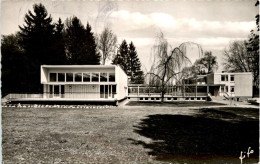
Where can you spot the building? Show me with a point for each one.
(231, 84)
(239, 85)
(85, 83)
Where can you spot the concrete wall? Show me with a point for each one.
(122, 83)
(243, 85)
(210, 79)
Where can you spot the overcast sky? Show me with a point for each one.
(210, 23)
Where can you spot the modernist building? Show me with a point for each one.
(84, 82)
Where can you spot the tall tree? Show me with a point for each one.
(37, 38)
(80, 43)
(137, 75)
(14, 64)
(59, 55)
(122, 57)
(107, 44)
(168, 63)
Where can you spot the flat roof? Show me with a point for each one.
(79, 66)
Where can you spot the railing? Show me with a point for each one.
(177, 94)
(71, 95)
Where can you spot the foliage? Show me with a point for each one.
(14, 64)
(80, 43)
(37, 40)
(106, 42)
(128, 59)
(137, 75)
(122, 58)
(207, 64)
(168, 63)
(243, 56)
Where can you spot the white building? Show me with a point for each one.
(84, 82)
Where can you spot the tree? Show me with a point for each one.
(59, 55)
(80, 43)
(253, 51)
(37, 40)
(235, 57)
(137, 75)
(168, 63)
(122, 58)
(207, 64)
(14, 64)
(107, 44)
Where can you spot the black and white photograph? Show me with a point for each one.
(130, 81)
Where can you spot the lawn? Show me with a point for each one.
(175, 104)
(128, 135)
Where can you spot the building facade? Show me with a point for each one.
(231, 84)
(84, 82)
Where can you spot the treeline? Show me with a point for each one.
(40, 41)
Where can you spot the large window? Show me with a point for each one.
(53, 77)
(232, 78)
(69, 77)
(95, 77)
(111, 77)
(86, 77)
(78, 77)
(103, 77)
(61, 77)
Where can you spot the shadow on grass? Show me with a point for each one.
(201, 138)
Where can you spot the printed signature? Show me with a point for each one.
(248, 153)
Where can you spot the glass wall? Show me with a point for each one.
(82, 77)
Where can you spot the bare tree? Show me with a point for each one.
(239, 58)
(167, 64)
(107, 44)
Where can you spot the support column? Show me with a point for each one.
(138, 90)
(196, 88)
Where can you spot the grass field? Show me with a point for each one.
(128, 135)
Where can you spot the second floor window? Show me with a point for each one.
(78, 77)
(53, 77)
(224, 77)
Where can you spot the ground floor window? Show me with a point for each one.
(107, 91)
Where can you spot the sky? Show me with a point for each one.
(211, 23)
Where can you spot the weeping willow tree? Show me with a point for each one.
(167, 64)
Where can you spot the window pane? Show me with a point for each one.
(103, 77)
(222, 77)
(111, 77)
(61, 77)
(114, 89)
(78, 77)
(69, 77)
(95, 77)
(226, 88)
(232, 78)
(226, 77)
(86, 77)
(53, 77)
(232, 89)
